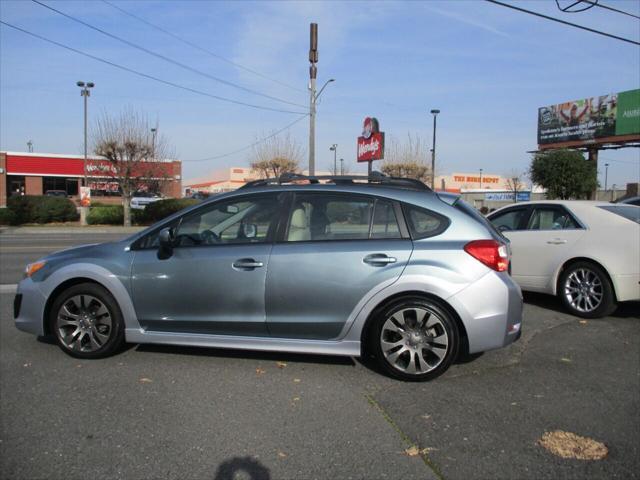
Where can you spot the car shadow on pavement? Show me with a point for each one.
(246, 354)
(242, 467)
(550, 302)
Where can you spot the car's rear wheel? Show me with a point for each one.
(585, 290)
(415, 339)
(87, 322)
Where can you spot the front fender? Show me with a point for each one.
(100, 275)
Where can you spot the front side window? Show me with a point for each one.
(509, 220)
(248, 220)
(551, 218)
(329, 217)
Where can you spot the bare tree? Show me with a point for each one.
(131, 158)
(275, 156)
(407, 159)
(515, 184)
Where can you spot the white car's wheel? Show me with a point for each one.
(585, 290)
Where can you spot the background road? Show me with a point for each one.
(168, 412)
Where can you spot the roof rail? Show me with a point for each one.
(374, 178)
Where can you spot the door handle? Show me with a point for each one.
(247, 263)
(379, 259)
(556, 241)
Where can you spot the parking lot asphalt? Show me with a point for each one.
(171, 412)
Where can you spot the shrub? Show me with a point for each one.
(41, 209)
(106, 215)
(156, 211)
(7, 217)
(55, 209)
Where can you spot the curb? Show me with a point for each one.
(69, 230)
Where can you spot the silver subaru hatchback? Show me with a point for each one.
(353, 266)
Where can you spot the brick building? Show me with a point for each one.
(24, 173)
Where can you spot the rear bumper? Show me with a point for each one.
(627, 287)
(491, 311)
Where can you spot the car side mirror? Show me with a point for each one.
(166, 240)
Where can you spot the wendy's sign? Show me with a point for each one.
(371, 143)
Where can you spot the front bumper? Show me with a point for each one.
(30, 314)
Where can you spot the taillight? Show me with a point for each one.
(490, 252)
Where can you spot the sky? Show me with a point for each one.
(487, 68)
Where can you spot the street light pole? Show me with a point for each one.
(342, 166)
(480, 179)
(334, 149)
(154, 132)
(85, 92)
(435, 113)
(606, 176)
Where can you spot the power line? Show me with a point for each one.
(606, 7)
(202, 49)
(563, 22)
(165, 58)
(146, 75)
(247, 147)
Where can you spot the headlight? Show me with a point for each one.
(33, 268)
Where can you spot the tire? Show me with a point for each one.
(414, 339)
(86, 322)
(586, 291)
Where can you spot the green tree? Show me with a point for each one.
(565, 174)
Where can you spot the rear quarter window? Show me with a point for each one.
(424, 223)
(630, 212)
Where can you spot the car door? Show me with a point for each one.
(333, 249)
(549, 235)
(214, 281)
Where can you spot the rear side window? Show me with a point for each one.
(551, 218)
(385, 223)
(424, 223)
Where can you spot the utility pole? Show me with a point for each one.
(435, 113)
(313, 73)
(334, 149)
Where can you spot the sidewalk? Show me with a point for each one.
(70, 229)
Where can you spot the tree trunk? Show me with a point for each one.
(126, 204)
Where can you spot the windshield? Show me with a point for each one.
(630, 212)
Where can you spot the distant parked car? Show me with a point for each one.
(198, 196)
(586, 253)
(631, 201)
(142, 199)
(56, 193)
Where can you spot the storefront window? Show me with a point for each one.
(15, 185)
(69, 185)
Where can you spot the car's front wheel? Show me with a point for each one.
(585, 290)
(87, 322)
(415, 339)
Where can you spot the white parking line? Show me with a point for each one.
(9, 288)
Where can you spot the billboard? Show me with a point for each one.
(371, 143)
(604, 119)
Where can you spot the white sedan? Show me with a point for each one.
(586, 253)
